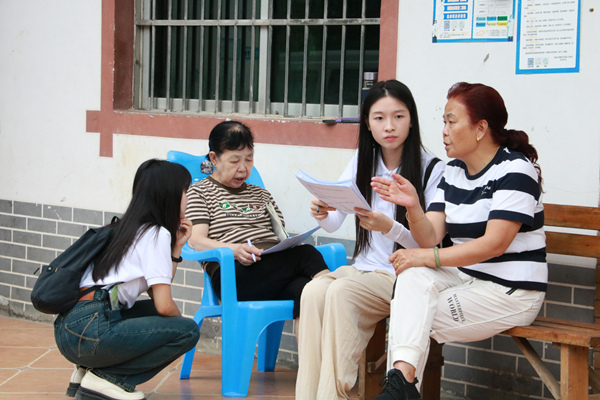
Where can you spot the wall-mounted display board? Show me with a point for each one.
(548, 36)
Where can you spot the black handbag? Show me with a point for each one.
(57, 288)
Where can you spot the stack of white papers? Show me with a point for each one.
(342, 195)
(291, 241)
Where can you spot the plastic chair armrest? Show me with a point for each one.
(224, 256)
(334, 255)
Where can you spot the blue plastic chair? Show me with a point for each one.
(244, 323)
(192, 163)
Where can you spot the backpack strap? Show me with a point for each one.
(84, 291)
(428, 171)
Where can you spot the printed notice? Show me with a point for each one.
(548, 36)
(493, 19)
(473, 20)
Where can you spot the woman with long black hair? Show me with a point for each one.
(339, 310)
(116, 341)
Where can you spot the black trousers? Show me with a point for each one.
(277, 276)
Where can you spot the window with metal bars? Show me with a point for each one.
(294, 58)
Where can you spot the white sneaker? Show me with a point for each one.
(75, 381)
(95, 388)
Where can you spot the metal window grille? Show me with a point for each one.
(295, 58)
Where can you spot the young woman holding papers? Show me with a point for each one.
(339, 310)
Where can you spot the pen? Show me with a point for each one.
(253, 256)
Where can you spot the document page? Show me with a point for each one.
(343, 195)
(291, 241)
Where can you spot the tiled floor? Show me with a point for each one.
(32, 368)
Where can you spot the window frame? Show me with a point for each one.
(260, 27)
(116, 114)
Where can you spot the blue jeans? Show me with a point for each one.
(125, 347)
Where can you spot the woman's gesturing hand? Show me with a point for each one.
(399, 191)
(319, 210)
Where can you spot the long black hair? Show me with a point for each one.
(156, 201)
(369, 150)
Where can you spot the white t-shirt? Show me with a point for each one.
(148, 262)
(382, 246)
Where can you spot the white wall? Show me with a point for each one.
(560, 112)
(50, 76)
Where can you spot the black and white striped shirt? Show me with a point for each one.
(507, 188)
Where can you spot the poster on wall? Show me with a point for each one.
(548, 36)
(473, 20)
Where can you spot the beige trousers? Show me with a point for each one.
(338, 314)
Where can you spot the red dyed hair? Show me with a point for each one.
(485, 103)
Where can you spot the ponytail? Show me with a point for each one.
(517, 140)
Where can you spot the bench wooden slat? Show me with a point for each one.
(541, 333)
(583, 328)
(558, 333)
(559, 322)
(572, 244)
(572, 216)
(586, 336)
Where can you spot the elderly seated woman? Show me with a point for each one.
(228, 212)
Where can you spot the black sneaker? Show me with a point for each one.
(397, 388)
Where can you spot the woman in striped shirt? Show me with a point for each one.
(489, 201)
(227, 212)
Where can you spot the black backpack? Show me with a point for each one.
(57, 288)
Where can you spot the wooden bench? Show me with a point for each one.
(575, 339)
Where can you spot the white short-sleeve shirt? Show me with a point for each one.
(148, 262)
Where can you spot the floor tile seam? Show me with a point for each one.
(24, 321)
(18, 371)
(159, 384)
(48, 351)
(28, 368)
(29, 364)
(37, 329)
(192, 393)
(30, 393)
